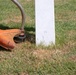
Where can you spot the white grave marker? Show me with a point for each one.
(45, 22)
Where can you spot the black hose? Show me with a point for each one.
(22, 13)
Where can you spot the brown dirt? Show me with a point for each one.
(46, 54)
(14, 19)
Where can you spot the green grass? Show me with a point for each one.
(26, 58)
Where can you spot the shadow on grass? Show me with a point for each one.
(3, 49)
(30, 29)
(30, 37)
(3, 27)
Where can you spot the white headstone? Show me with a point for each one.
(45, 22)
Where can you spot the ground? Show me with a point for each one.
(27, 58)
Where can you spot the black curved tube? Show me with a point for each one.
(22, 13)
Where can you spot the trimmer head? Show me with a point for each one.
(20, 38)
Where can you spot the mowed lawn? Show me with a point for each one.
(26, 58)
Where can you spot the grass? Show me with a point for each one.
(26, 58)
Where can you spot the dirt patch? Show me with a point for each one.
(16, 19)
(73, 58)
(71, 37)
(72, 33)
(29, 0)
(47, 54)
